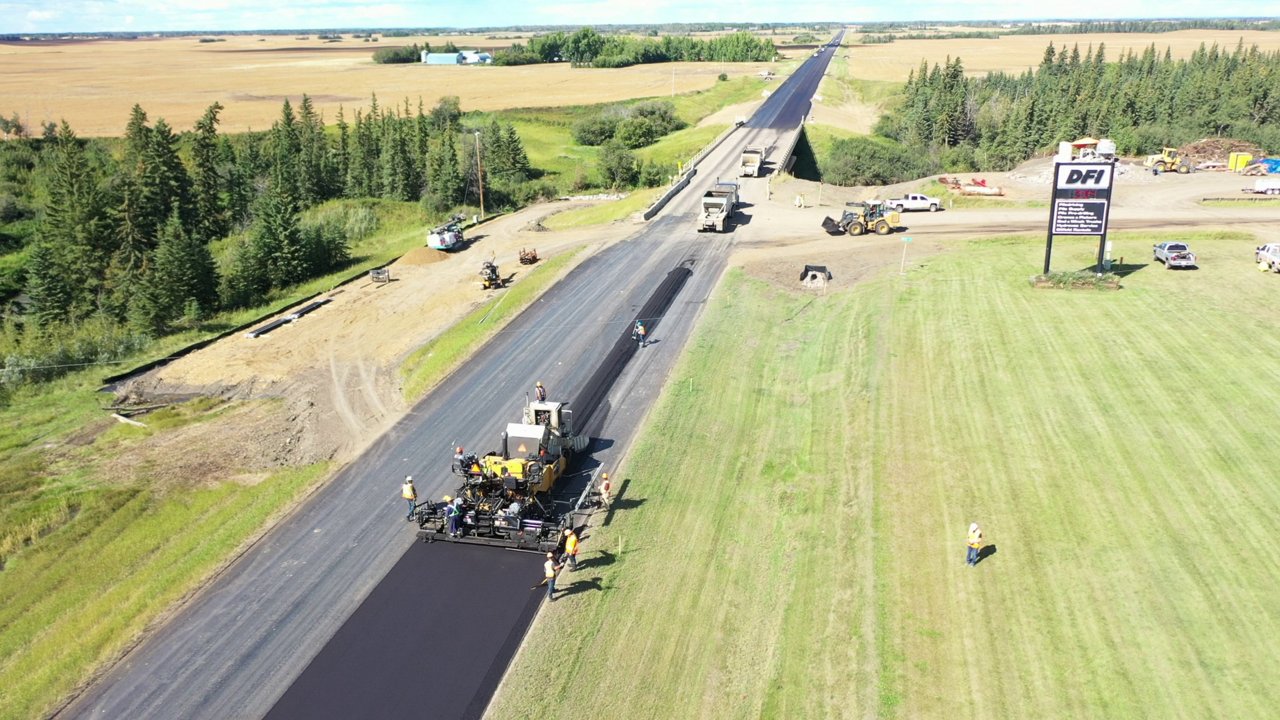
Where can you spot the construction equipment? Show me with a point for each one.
(718, 205)
(864, 217)
(490, 278)
(1169, 160)
(528, 257)
(752, 161)
(447, 236)
(504, 498)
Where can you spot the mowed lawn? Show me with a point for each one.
(789, 539)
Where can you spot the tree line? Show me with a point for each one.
(588, 48)
(117, 236)
(1144, 100)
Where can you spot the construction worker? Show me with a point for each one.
(408, 492)
(605, 488)
(451, 513)
(974, 543)
(550, 570)
(570, 549)
(539, 392)
(639, 333)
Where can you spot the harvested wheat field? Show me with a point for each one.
(93, 84)
(1015, 53)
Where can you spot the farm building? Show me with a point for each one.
(442, 58)
(472, 57)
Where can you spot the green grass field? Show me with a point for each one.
(788, 537)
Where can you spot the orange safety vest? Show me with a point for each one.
(408, 493)
(571, 545)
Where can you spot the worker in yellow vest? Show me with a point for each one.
(974, 543)
(539, 392)
(570, 549)
(550, 570)
(408, 492)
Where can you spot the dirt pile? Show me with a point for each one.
(422, 256)
(1218, 149)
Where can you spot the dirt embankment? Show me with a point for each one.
(330, 380)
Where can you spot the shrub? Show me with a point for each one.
(595, 130)
(637, 132)
(618, 165)
(867, 161)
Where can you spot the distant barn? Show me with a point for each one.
(442, 58)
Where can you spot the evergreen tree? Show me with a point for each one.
(183, 275)
(47, 286)
(207, 182)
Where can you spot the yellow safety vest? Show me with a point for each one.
(975, 539)
(408, 493)
(550, 568)
(571, 545)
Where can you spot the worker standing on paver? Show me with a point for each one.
(974, 543)
(539, 392)
(605, 488)
(451, 512)
(570, 549)
(408, 492)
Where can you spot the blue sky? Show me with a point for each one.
(31, 16)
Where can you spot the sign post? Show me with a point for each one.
(1081, 204)
(902, 269)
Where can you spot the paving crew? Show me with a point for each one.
(605, 487)
(408, 492)
(570, 549)
(539, 392)
(974, 543)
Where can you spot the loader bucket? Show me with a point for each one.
(831, 226)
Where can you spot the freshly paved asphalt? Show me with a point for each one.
(338, 612)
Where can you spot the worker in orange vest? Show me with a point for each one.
(570, 549)
(974, 543)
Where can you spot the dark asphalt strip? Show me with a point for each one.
(422, 645)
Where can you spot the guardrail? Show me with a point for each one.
(785, 162)
(1260, 198)
(683, 182)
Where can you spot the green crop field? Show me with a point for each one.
(788, 540)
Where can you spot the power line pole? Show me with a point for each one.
(479, 175)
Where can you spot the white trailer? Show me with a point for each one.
(1265, 186)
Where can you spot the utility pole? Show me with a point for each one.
(479, 175)
(673, 82)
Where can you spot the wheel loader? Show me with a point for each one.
(1169, 160)
(862, 218)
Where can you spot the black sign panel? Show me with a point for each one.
(1081, 203)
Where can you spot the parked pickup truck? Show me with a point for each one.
(914, 201)
(1174, 255)
(1268, 256)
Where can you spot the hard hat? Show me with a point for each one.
(604, 476)
(447, 498)
(458, 450)
(408, 478)
(568, 531)
(539, 383)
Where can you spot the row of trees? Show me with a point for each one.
(588, 48)
(1143, 101)
(409, 53)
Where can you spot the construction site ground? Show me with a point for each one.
(332, 377)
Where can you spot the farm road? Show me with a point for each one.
(235, 649)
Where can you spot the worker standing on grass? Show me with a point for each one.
(408, 492)
(570, 549)
(539, 392)
(605, 488)
(974, 543)
(550, 569)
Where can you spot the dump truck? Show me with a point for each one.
(863, 217)
(1168, 160)
(718, 205)
(447, 236)
(752, 161)
(505, 495)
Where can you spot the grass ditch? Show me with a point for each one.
(431, 363)
(605, 212)
(815, 568)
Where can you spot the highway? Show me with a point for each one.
(338, 612)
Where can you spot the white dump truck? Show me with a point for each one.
(752, 161)
(718, 205)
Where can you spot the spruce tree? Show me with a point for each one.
(207, 182)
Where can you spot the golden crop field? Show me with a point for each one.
(1015, 53)
(93, 84)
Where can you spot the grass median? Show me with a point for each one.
(788, 536)
(433, 362)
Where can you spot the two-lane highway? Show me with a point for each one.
(338, 612)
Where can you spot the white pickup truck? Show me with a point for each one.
(914, 201)
(1174, 255)
(1268, 257)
